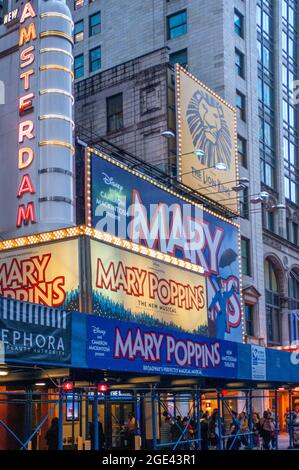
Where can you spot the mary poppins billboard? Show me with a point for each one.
(126, 204)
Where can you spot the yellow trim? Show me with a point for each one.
(57, 67)
(46, 34)
(58, 91)
(57, 116)
(59, 143)
(56, 49)
(55, 14)
(101, 236)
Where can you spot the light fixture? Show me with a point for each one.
(278, 206)
(3, 373)
(264, 195)
(68, 386)
(243, 179)
(239, 187)
(40, 384)
(168, 134)
(256, 200)
(221, 166)
(199, 153)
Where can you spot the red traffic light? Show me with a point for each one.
(103, 388)
(67, 386)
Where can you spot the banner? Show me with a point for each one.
(206, 130)
(35, 334)
(125, 346)
(132, 207)
(128, 286)
(46, 274)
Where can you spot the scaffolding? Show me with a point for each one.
(163, 419)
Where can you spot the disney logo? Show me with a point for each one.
(98, 331)
(110, 182)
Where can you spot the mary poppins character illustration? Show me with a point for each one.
(221, 297)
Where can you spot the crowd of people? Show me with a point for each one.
(236, 435)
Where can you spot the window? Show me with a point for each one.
(269, 220)
(114, 105)
(272, 304)
(249, 319)
(95, 59)
(293, 287)
(239, 24)
(242, 151)
(177, 24)
(244, 204)
(179, 57)
(292, 231)
(291, 189)
(95, 24)
(79, 66)
(240, 105)
(78, 4)
(79, 31)
(245, 249)
(239, 63)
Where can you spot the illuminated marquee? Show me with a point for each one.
(26, 134)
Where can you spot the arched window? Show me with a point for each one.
(293, 286)
(272, 304)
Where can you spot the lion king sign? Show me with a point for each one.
(207, 149)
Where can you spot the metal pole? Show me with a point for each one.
(87, 416)
(198, 412)
(219, 403)
(95, 421)
(28, 413)
(290, 421)
(276, 419)
(250, 420)
(154, 419)
(60, 420)
(73, 420)
(81, 414)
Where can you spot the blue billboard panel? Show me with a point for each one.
(126, 346)
(130, 206)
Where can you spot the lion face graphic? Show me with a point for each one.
(209, 129)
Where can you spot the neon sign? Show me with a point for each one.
(11, 16)
(26, 130)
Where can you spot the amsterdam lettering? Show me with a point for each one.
(26, 134)
(27, 280)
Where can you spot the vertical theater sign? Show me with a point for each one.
(45, 187)
(27, 132)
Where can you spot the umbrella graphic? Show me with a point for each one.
(227, 258)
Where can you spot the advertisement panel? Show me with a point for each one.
(45, 274)
(128, 286)
(126, 346)
(258, 362)
(132, 207)
(35, 334)
(206, 132)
